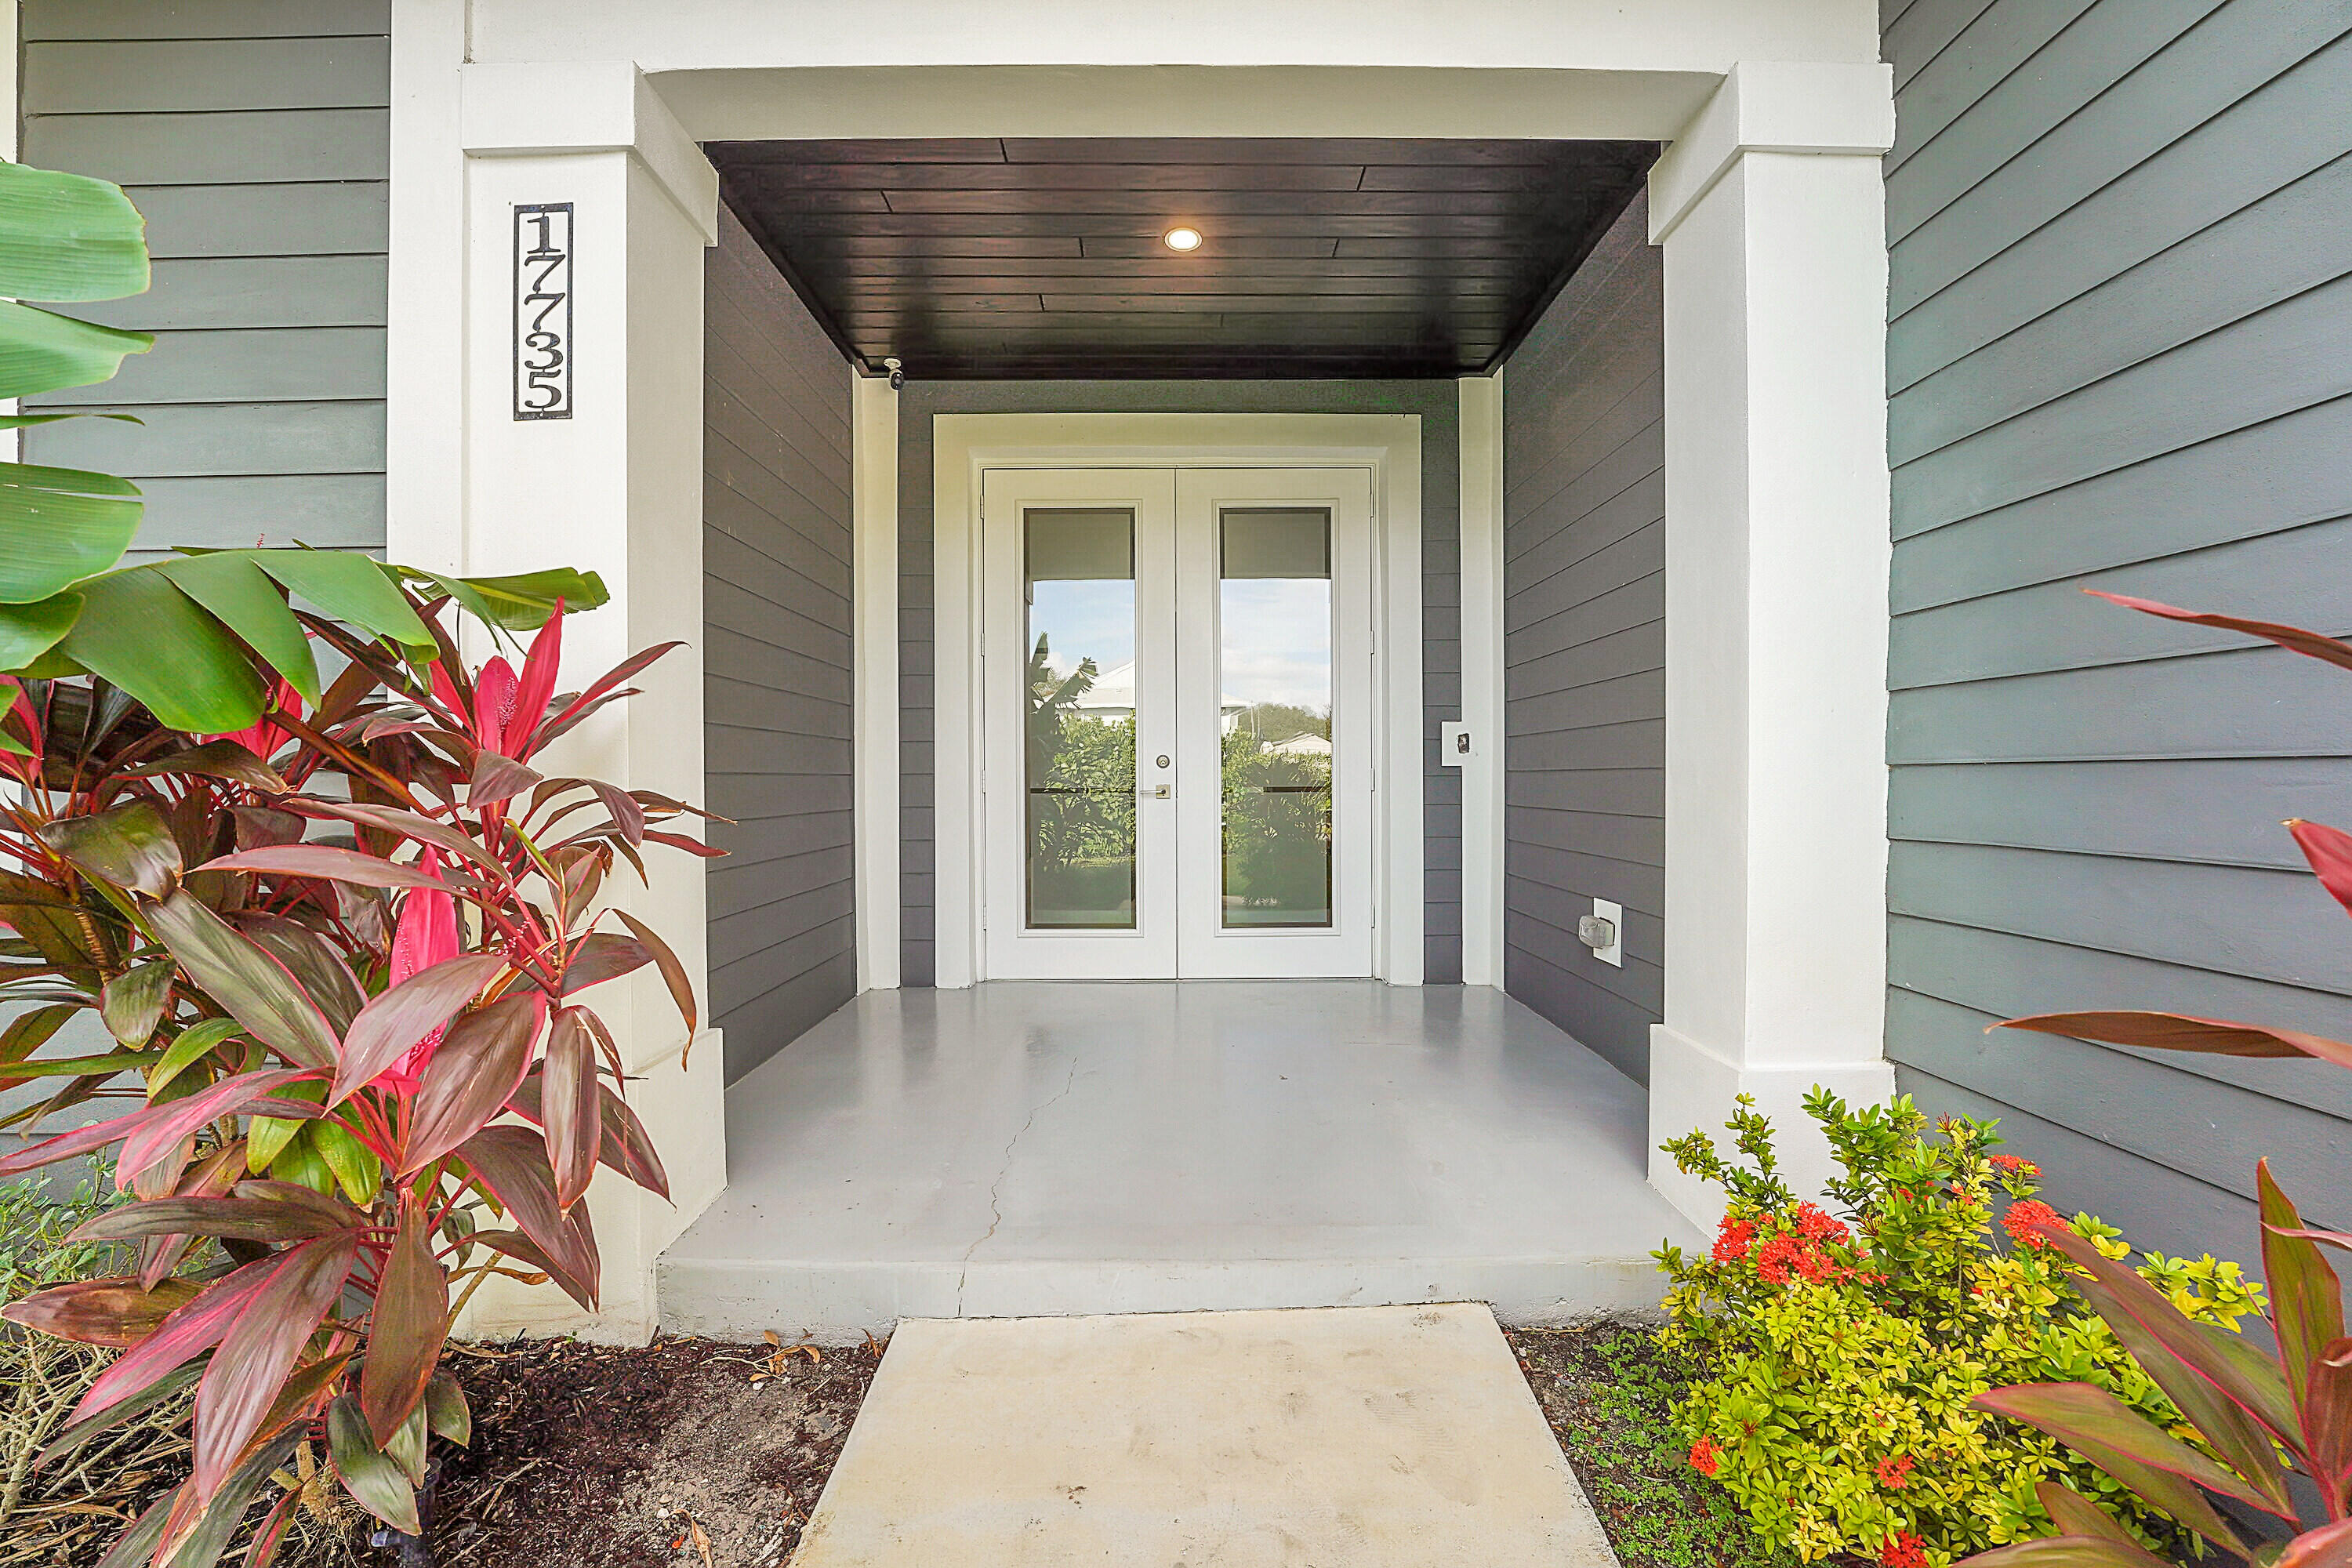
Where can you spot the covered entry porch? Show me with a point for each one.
(1034, 1147)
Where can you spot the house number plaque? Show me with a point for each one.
(542, 311)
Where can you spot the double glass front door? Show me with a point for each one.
(1176, 667)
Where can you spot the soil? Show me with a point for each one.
(684, 1452)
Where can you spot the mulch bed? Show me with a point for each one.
(682, 1452)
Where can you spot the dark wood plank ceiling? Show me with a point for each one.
(1321, 257)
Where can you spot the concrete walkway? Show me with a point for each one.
(1025, 1148)
(1351, 1437)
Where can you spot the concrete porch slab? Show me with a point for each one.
(1368, 1437)
(1026, 1148)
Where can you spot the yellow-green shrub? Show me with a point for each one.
(1842, 1354)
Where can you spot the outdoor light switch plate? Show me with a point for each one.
(1603, 930)
(1454, 747)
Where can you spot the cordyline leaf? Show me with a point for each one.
(2180, 1032)
(407, 825)
(231, 585)
(65, 1145)
(2330, 850)
(136, 1546)
(2070, 1551)
(58, 526)
(187, 1334)
(224, 759)
(2306, 1300)
(405, 1336)
(132, 1003)
(601, 957)
(2293, 639)
(249, 1218)
(355, 1166)
(140, 632)
(273, 1532)
(158, 1129)
(2327, 1418)
(673, 973)
(626, 1146)
(2145, 1457)
(327, 863)
(569, 1107)
(446, 1410)
(2075, 1514)
(76, 1067)
(204, 1528)
(580, 707)
(254, 987)
(317, 967)
(469, 1077)
(387, 1027)
(406, 1447)
(497, 778)
(129, 847)
(196, 1042)
(2329, 1546)
(375, 1483)
(111, 1312)
(511, 1163)
(159, 1255)
(266, 1137)
(71, 1438)
(2182, 1348)
(260, 1349)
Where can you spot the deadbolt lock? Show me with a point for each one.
(1163, 759)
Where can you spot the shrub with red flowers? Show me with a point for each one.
(1843, 1344)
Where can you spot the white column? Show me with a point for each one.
(874, 412)
(1771, 212)
(1480, 403)
(615, 488)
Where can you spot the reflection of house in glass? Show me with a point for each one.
(1112, 699)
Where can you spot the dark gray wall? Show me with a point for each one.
(2120, 356)
(1441, 565)
(254, 139)
(1584, 647)
(776, 656)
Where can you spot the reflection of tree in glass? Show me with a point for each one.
(1277, 816)
(1081, 780)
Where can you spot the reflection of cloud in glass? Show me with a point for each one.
(1276, 634)
(1083, 620)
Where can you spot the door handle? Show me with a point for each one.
(1155, 791)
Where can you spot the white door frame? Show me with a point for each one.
(966, 445)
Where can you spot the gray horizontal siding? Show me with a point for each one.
(776, 659)
(2122, 280)
(253, 138)
(1584, 530)
(1441, 588)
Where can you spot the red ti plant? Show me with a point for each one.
(328, 1000)
(2258, 1413)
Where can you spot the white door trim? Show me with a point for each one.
(965, 444)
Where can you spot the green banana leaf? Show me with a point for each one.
(67, 238)
(41, 351)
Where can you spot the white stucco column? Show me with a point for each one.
(1771, 212)
(610, 481)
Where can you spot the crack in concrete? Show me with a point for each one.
(995, 1206)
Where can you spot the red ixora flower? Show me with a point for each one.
(1903, 1550)
(2016, 1166)
(2028, 1218)
(1732, 1238)
(1815, 1224)
(1894, 1473)
(1705, 1458)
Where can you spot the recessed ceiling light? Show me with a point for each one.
(1181, 238)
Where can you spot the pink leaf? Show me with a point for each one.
(260, 1348)
(409, 1014)
(2330, 850)
(159, 1127)
(189, 1331)
(538, 687)
(329, 864)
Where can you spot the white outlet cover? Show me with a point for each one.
(1452, 748)
(1615, 915)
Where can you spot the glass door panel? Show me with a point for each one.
(1274, 657)
(1078, 761)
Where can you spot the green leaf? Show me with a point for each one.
(58, 526)
(195, 1043)
(268, 1137)
(68, 237)
(348, 587)
(445, 1409)
(521, 603)
(140, 632)
(76, 1067)
(300, 1162)
(356, 1169)
(28, 631)
(129, 847)
(132, 1003)
(374, 1481)
(41, 351)
(229, 585)
(254, 987)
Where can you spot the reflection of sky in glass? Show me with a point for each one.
(1277, 633)
(1084, 620)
